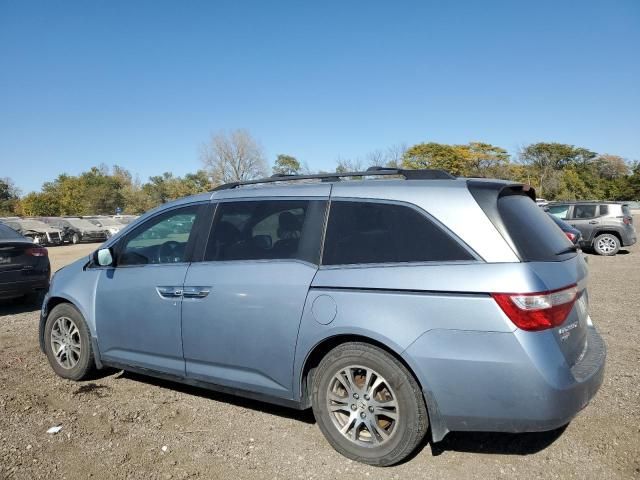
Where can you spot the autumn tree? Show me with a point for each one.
(452, 158)
(233, 157)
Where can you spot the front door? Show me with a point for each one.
(138, 302)
(243, 304)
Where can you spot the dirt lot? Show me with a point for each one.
(126, 426)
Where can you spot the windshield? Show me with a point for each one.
(33, 225)
(7, 233)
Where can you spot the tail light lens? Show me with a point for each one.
(627, 220)
(570, 236)
(38, 252)
(538, 311)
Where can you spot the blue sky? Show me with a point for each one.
(142, 84)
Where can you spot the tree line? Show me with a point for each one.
(557, 171)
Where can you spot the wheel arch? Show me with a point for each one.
(320, 349)
(611, 231)
(49, 305)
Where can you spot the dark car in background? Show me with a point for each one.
(36, 230)
(572, 234)
(24, 266)
(76, 230)
(605, 226)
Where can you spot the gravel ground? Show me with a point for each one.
(127, 426)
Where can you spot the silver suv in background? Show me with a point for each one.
(605, 226)
(388, 306)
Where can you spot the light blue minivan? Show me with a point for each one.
(389, 301)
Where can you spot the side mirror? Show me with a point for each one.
(103, 257)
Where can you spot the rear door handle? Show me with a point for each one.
(196, 292)
(593, 222)
(169, 292)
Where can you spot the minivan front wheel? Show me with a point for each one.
(368, 405)
(68, 343)
(606, 244)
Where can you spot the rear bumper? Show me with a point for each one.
(18, 289)
(503, 382)
(629, 240)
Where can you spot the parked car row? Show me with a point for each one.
(59, 230)
(605, 227)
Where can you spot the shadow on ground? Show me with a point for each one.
(17, 306)
(469, 442)
(497, 443)
(305, 416)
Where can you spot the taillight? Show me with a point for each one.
(570, 236)
(538, 311)
(37, 252)
(627, 220)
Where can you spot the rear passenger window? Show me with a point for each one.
(267, 230)
(604, 210)
(584, 211)
(371, 232)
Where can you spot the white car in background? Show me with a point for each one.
(108, 224)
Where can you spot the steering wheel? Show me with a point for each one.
(167, 252)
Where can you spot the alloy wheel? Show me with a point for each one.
(363, 406)
(65, 342)
(606, 245)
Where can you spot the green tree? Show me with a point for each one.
(9, 197)
(286, 165)
(545, 158)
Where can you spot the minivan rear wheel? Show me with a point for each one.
(606, 244)
(68, 343)
(368, 405)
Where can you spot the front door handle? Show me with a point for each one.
(169, 292)
(196, 292)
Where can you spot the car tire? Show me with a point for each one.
(75, 238)
(606, 244)
(70, 330)
(393, 407)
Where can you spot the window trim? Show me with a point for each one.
(596, 211)
(189, 249)
(218, 202)
(385, 201)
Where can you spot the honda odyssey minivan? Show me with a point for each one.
(388, 305)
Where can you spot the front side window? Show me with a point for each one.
(370, 232)
(584, 211)
(162, 239)
(559, 211)
(266, 230)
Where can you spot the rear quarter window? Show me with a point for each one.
(534, 235)
(374, 232)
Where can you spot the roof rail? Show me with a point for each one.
(431, 174)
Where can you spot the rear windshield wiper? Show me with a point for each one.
(572, 248)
